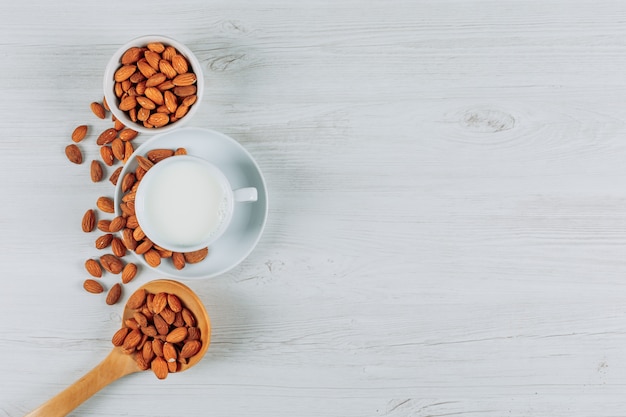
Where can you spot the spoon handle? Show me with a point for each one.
(113, 367)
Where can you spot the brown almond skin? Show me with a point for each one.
(196, 256)
(174, 302)
(129, 272)
(190, 348)
(106, 204)
(178, 259)
(79, 133)
(111, 263)
(103, 225)
(93, 286)
(107, 155)
(136, 300)
(118, 248)
(117, 224)
(89, 221)
(93, 268)
(74, 154)
(119, 336)
(115, 175)
(127, 134)
(159, 302)
(131, 55)
(159, 367)
(177, 335)
(153, 258)
(106, 136)
(114, 294)
(104, 241)
(95, 171)
(98, 110)
(117, 147)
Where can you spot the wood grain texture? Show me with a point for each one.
(447, 216)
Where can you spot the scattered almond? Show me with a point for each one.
(114, 294)
(98, 110)
(95, 171)
(106, 204)
(79, 133)
(89, 221)
(93, 286)
(129, 272)
(93, 268)
(74, 154)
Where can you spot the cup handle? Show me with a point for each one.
(246, 195)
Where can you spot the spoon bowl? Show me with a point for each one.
(118, 364)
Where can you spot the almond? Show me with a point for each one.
(115, 175)
(157, 347)
(107, 155)
(106, 136)
(147, 353)
(131, 55)
(144, 163)
(128, 240)
(181, 111)
(124, 72)
(193, 333)
(153, 58)
(111, 263)
(74, 154)
(157, 47)
(178, 259)
(169, 352)
(177, 335)
(188, 317)
(169, 52)
(95, 171)
(127, 103)
(185, 90)
(118, 248)
(174, 303)
(142, 363)
(157, 155)
(93, 268)
(137, 78)
(98, 110)
(89, 221)
(155, 80)
(114, 294)
(93, 286)
(180, 151)
(120, 335)
(129, 272)
(168, 315)
(161, 326)
(105, 204)
(159, 367)
(144, 246)
(141, 320)
(79, 133)
(128, 151)
(136, 300)
(132, 339)
(196, 256)
(190, 348)
(189, 100)
(117, 147)
(159, 302)
(117, 224)
(128, 181)
(145, 68)
(166, 68)
(104, 225)
(170, 100)
(166, 85)
(146, 103)
(187, 78)
(127, 134)
(131, 221)
(104, 241)
(152, 258)
(180, 64)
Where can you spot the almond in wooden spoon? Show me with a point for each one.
(118, 364)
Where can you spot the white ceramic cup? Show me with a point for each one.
(185, 203)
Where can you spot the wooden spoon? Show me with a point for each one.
(118, 364)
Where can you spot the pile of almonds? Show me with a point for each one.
(154, 85)
(162, 334)
(120, 233)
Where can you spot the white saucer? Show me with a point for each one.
(241, 170)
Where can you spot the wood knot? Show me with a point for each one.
(487, 120)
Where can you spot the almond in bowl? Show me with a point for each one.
(153, 83)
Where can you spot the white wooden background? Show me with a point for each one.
(447, 226)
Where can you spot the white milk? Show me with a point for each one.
(184, 203)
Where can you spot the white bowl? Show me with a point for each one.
(114, 64)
